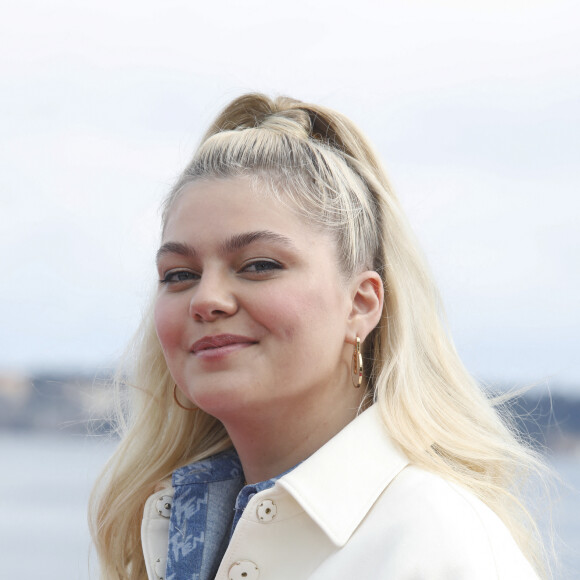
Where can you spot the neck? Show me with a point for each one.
(269, 442)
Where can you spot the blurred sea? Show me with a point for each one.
(46, 480)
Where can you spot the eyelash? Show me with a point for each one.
(273, 266)
(169, 277)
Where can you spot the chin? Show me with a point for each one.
(219, 399)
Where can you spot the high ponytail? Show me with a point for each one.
(254, 110)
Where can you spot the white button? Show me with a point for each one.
(244, 570)
(267, 510)
(163, 505)
(160, 567)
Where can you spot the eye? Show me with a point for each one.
(177, 276)
(261, 266)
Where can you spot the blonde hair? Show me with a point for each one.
(319, 164)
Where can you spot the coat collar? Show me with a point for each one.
(340, 482)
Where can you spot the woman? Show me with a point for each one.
(297, 409)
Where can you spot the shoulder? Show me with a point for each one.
(437, 502)
(447, 526)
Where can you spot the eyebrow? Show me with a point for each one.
(232, 244)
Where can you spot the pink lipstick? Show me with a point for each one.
(220, 345)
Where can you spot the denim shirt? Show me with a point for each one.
(209, 500)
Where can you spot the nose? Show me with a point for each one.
(212, 298)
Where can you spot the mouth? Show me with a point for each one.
(221, 343)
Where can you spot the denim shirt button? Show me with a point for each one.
(266, 511)
(163, 506)
(244, 570)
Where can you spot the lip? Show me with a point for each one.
(221, 341)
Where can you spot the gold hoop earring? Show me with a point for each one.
(357, 365)
(178, 403)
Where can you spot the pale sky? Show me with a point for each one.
(474, 108)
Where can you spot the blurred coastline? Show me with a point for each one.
(80, 403)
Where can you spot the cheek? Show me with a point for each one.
(167, 326)
(280, 313)
(293, 314)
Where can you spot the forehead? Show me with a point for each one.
(208, 207)
(233, 201)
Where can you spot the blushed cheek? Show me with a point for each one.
(291, 316)
(165, 326)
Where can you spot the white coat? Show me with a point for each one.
(357, 510)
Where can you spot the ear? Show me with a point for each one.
(367, 305)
